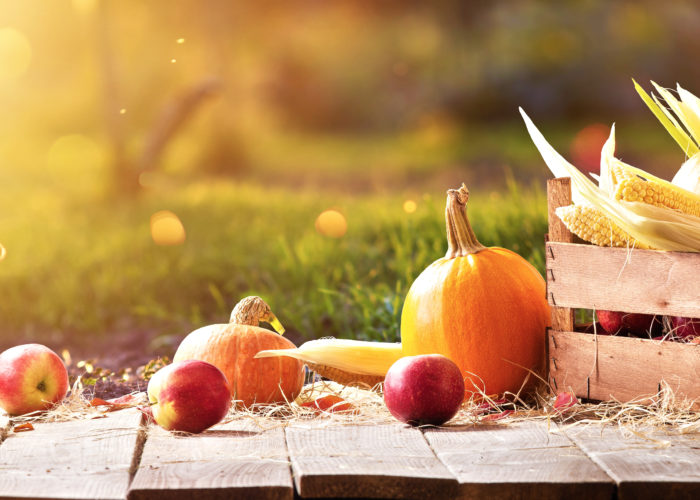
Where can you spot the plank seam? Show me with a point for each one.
(141, 438)
(295, 485)
(435, 454)
(592, 458)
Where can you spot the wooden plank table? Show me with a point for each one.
(118, 456)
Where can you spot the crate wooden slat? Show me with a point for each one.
(558, 195)
(602, 367)
(660, 466)
(370, 461)
(518, 461)
(618, 279)
(78, 459)
(233, 460)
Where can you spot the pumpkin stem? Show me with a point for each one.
(251, 311)
(461, 239)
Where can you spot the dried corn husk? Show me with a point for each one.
(653, 226)
(344, 361)
(688, 176)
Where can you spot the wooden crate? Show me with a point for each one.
(640, 281)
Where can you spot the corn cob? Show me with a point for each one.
(344, 377)
(349, 362)
(657, 227)
(592, 225)
(629, 185)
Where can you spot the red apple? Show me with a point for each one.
(424, 389)
(32, 378)
(614, 322)
(189, 396)
(685, 327)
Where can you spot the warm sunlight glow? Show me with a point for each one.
(409, 206)
(167, 229)
(331, 223)
(84, 6)
(15, 54)
(3, 252)
(180, 41)
(75, 160)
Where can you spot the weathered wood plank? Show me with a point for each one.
(618, 279)
(233, 460)
(518, 462)
(604, 367)
(644, 469)
(377, 461)
(79, 459)
(559, 195)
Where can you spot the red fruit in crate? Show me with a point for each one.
(685, 327)
(638, 324)
(611, 321)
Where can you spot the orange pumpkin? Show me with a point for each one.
(232, 348)
(484, 308)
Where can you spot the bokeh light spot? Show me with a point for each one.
(15, 54)
(167, 229)
(173, 61)
(3, 252)
(409, 206)
(331, 223)
(122, 111)
(586, 146)
(180, 41)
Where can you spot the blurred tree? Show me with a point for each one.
(126, 170)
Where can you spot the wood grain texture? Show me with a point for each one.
(604, 367)
(371, 461)
(559, 195)
(517, 462)
(79, 459)
(234, 460)
(657, 467)
(618, 279)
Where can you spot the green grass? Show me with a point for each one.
(78, 267)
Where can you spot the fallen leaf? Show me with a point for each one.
(498, 416)
(147, 413)
(120, 403)
(329, 404)
(98, 402)
(23, 427)
(565, 401)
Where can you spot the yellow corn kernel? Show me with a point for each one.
(590, 224)
(632, 187)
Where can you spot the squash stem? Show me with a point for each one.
(251, 311)
(461, 240)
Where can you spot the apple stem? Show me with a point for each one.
(251, 311)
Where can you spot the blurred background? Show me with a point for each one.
(160, 160)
